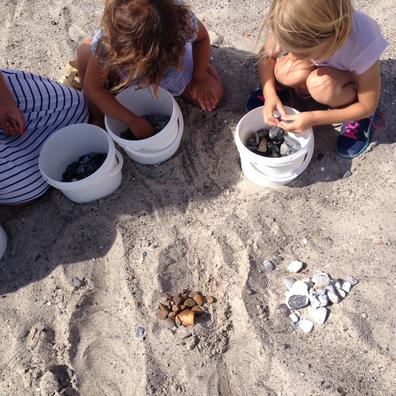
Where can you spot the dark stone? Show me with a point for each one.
(262, 133)
(157, 121)
(276, 134)
(84, 167)
(298, 302)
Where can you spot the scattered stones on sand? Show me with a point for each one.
(272, 142)
(157, 121)
(316, 294)
(295, 266)
(269, 265)
(182, 308)
(85, 166)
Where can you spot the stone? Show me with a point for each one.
(77, 282)
(288, 283)
(262, 147)
(353, 281)
(190, 302)
(210, 299)
(295, 266)
(346, 286)
(324, 300)
(297, 301)
(262, 133)
(305, 325)
(177, 299)
(169, 323)
(299, 287)
(333, 295)
(268, 265)
(294, 317)
(285, 149)
(348, 173)
(178, 321)
(292, 143)
(314, 300)
(197, 309)
(140, 333)
(321, 280)
(172, 315)
(199, 299)
(276, 134)
(175, 308)
(318, 315)
(187, 318)
(337, 283)
(341, 293)
(162, 312)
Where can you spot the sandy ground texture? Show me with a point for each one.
(77, 280)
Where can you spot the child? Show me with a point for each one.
(147, 42)
(332, 54)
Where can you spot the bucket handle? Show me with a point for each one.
(120, 160)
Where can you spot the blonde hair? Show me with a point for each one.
(309, 27)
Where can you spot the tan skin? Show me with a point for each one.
(353, 97)
(204, 90)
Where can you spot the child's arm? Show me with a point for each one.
(201, 53)
(11, 118)
(368, 93)
(96, 91)
(272, 102)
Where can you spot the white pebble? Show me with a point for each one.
(268, 265)
(305, 325)
(321, 280)
(295, 266)
(353, 281)
(288, 283)
(341, 293)
(314, 300)
(333, 295)
(305, 241)
(324, 300)
(319, 315)
(299, 288)
(346, 286)
(294, 317)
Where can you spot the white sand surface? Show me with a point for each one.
(196, 222)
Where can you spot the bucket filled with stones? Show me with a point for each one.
(270, 156)
(164, 115)
(81, 161)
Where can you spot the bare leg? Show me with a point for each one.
(332, 87)
(293, 73)
(215, 85)
(83, 55)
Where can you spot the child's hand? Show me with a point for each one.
(272, 103)
(298, 122)
(141, 128)
(201, 93)
(11, 120)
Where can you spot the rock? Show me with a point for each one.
(333, 295)
(178, 321)
(169, 323)
(175, 308)
(285, 149)
(187, 318)
(295, 266)
(162, 312)
(337, 283)
(346, 286)
(193, 342)
(172, 315)
(140, 333)
(283, 309)
(197, 309)
(341, 293)
(190, 302)
(262, 147)
(348, 173)
(353, 281)
(294, 317)
(210, 299)
(177, 299)
(262, 133)
(305, 325)
(299, 287)
(199, 299)
(292, 143)
(314, 300)
(324, 300)
(276, 134)
(288, 283)
(77, 282)
(297, 301)
(319, 315)
(268, 265)
(321, 280)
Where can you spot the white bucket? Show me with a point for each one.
(266, 171)
(164, 144)
(3, 241)
(66, 146)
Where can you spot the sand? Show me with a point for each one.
(77, 280)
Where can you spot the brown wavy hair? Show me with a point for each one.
(143, 38)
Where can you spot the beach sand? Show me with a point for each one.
(77, 280)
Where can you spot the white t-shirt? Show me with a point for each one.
(363, 47)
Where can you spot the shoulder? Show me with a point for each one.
(364, 28)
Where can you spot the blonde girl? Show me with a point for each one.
(327, 50)
(147, 42)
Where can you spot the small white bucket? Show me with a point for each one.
(3, 241)
(163, 145)
(266, 171)
(66, 146)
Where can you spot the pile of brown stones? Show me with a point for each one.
(181, 309)
(273, 142)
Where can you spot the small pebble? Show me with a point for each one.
(297, 302)
(321, 280)
(295, 266)
(351, 280)
(294, 317)
(288, 283)
(268, 265)
(346, 286)
(314, 300)
(324, 300)
(140, 333)
(333, 295)
(322, 169)
(169, 323)
(299, 287)
(341, 293)
(305, 325)
(319, 315)
(210, 299)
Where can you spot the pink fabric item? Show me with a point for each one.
(362, 49)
